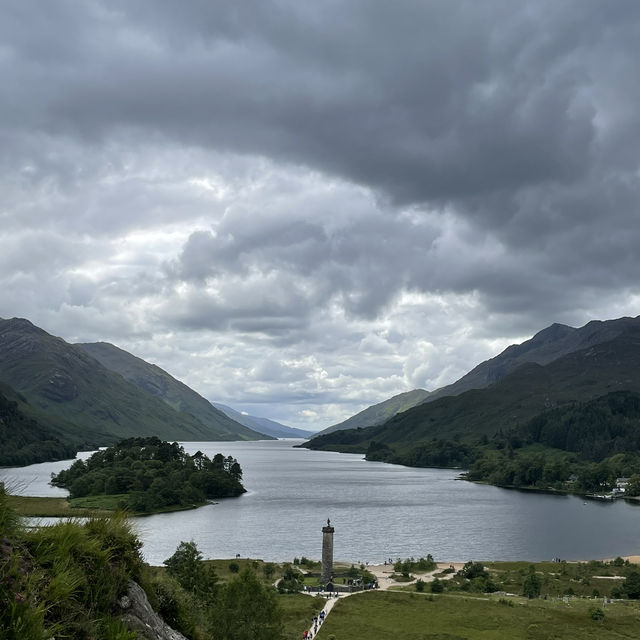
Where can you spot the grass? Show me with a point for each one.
(406, 616)
(89, 506)
(49, 507)
(562, 578)
(297, 612)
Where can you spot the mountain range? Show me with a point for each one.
(263, 425)
(558, 366)
(89, 395)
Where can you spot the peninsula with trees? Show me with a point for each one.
(147, 475)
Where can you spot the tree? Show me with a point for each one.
(633, 488)
(186, 566)
(531, 585)
(631, 586)
(246, 610)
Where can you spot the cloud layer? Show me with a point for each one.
(304, 208)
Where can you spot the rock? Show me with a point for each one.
(139, 616)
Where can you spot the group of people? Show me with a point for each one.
(316, 621)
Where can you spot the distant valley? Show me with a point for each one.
(488, 418)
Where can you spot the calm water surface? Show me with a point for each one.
(378, 510)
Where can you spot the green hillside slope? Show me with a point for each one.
(24, 439)
(60, 379)
(381, 412)
(507, 404)
(157, 382)
(544, 347)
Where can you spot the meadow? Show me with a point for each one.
(388, 615)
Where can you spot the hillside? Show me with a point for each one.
(511, 402)
(544, 347)
(26, 440)
(381, 412)
(158, 383)
(263, 425)
(62, 380)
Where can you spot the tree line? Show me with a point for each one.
(582, 447)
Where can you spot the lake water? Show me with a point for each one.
(378, 511)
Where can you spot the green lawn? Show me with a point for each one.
(102, 505)
(406, 616)
(49, 507)
(298, 610)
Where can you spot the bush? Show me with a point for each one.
(531, 585)
(437, 586)
(596, 613)
(419, 585)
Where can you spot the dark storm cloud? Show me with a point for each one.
(424, 101)
(401, 182)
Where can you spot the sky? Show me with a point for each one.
(304, 208)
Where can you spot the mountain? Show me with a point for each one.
(263, 425)
(544, 347)
(381, 412)
(62, 380)
(516, 398)
(158, 383)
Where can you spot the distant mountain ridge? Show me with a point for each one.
(607, 362)
(88, 404)
(160, 384)
(381, 412)
(263, 425)
(544, 347)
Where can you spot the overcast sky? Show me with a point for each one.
(301, 208)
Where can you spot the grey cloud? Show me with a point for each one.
(424, 101)
(408, 183)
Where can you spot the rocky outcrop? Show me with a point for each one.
(139, 616)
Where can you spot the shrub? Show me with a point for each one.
(437, 586)
(596, 613)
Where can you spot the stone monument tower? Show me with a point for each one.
(327, 553)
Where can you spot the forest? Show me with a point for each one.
(150, 474)
(582, 447)
(26, 440)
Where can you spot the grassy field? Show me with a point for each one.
(50, 507)
(88, 506)
(298, 610)
(408, 616)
